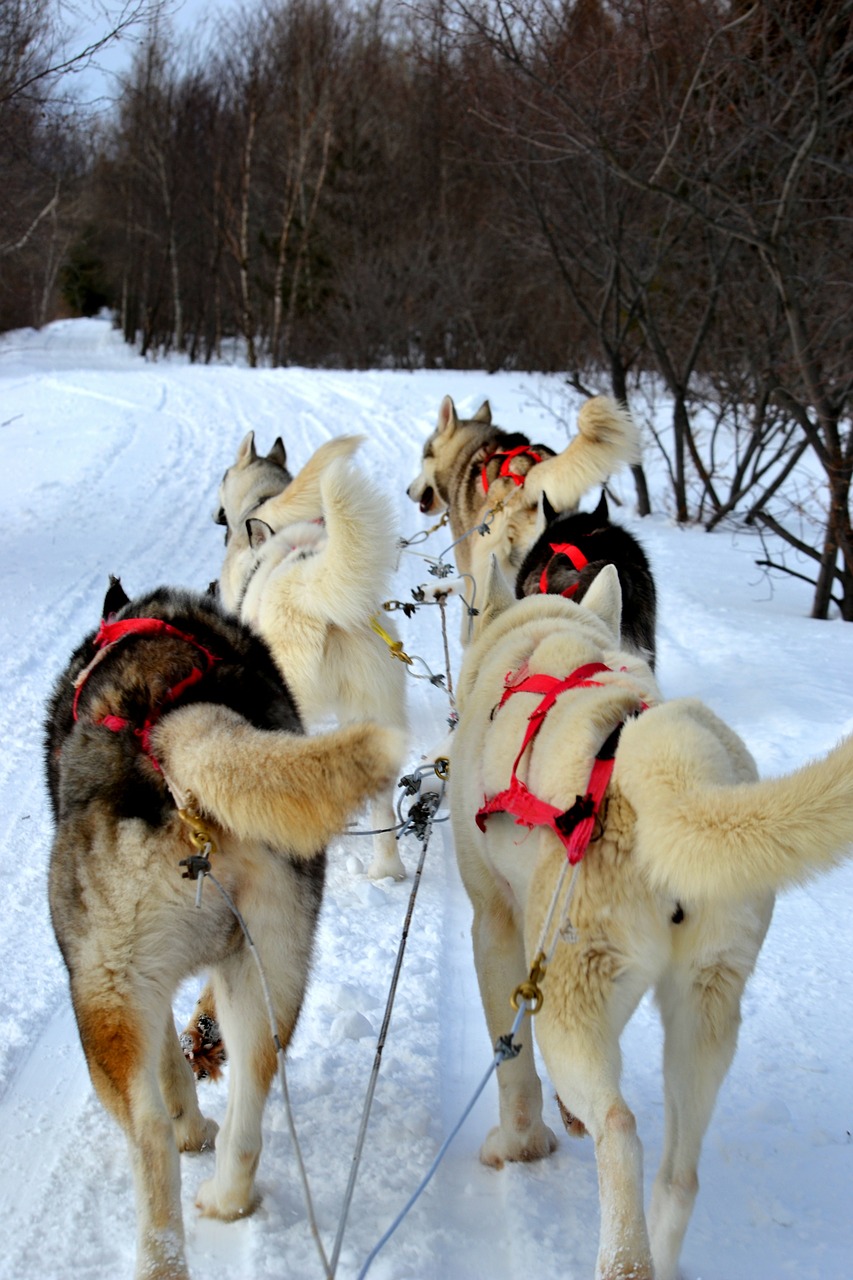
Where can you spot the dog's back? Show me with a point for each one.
(129, 687)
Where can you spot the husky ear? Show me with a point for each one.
(447, 418)
(604, 599)
(498, 595)
(115, 599)
(278, 453)
(548, 512)
(483, 414)
(602, 512)
(247, 452)
(259, 532)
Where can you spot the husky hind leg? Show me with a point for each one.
(124, 1053)
(386, 854)
(500, 964)
(701, 1016)
(283, 918)
(584, 1063)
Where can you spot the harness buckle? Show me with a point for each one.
(530, 991)
(196, 865)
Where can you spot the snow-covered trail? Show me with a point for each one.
(111, 464)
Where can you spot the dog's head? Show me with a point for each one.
(250, 479)
(427, 488)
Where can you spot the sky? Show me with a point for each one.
(96, 84)
(110, 464)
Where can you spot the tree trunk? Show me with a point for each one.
(248, 316)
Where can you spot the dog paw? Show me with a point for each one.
(536, 1144)
(228, 1208)
(204, 1048)
(197, 1135)
(381, 867)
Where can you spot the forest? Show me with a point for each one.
(650, 197)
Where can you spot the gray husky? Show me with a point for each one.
(477, 473)
(172, 723)
(250, 480)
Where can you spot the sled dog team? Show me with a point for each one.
(610, 842)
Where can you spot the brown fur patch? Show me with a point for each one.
(574, 1128)
(113, 1053)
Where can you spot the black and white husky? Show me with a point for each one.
(174, 704)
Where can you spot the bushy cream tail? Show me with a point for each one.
(348, 579)
(607, 440)
(703, 832)
(301, 499)
(289, 790)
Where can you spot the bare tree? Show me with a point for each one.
(739, 116)
(42, 159)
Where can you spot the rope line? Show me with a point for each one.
(504, 1049)
(426, 807)
(279, 1049)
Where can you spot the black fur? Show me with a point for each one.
(601, 543)
(131, 681)
(115, 599)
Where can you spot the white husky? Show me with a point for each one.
(322, 557)
(676, 893)
(247, 486)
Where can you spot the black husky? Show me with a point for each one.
(568, 555)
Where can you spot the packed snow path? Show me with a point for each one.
(111, 464)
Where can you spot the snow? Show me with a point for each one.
(111, 464)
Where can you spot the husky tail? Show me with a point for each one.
(285, 789)
(707, 832)
(353, 571)
(301, 499)
(607, 440)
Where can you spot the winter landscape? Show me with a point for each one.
(111, 465)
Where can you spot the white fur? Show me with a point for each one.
(299, 502)
(314, 603)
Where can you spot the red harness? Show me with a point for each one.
(574, 826)
(522, 450)
(573, 553)
(112, 633)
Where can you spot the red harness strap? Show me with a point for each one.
(508, 455)
(573, 553)
(110, 634)
(573, 826)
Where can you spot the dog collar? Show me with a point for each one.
(110, 634)
(508, 454)
(573, 553)
(574, 826)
